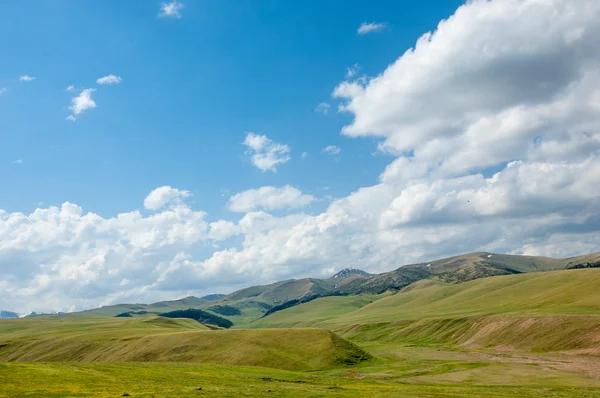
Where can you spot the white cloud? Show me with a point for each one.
(304, 155)
(26, 78)
(269, 198)
(66, 257)
(81, 103)
(222, 230)
(18, 161)
(369, 27)
(332, 150)
(541, 89)
(323, 108)
(70, 88)
(2, 90)
(494, 120)
(266, 154)
(162, 196)
(352, 71)
(172, 9)
(109, 79)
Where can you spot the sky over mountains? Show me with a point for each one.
(483, 134)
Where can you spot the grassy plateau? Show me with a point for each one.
(528, 335)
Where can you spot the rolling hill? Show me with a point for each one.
(449, 270)
(453, 332)
(544, 311)
(280, 292)
(115, 340)
(464, 268)
(244, 306)
(155, 308)
(564, 292)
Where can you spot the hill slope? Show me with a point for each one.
(51, 339)
(464, 268)
(314, 312)
(253, 302)
(153, 309)
(546, 311)
(558, 293)
(280, 292)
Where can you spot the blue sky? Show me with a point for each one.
(192, 87)
(203, 167)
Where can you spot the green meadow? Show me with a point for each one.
(527, 335)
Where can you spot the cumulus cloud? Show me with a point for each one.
(370, 27)
(266, 154)
(269, 198)
(26, 78)
(81, 103)
(172, 9)
(18, 161)
(2, 90)
(70, 88)
(162, 196)
(494, 123)
(222, 230)
(332, 150)
(70, 258)
(109, 79)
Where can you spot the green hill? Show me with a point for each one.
(557, 293)
(565, 292)
(456, 269)
(280, 292)
(97, 340)
(155, 308)
(529, 334)
(548, 311)
(249, 304)
(314, 312)
(465, 268)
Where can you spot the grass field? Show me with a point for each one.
(56, 339)
(399, 370)
(527, 335)
(419, 378)
(544, 293)
(314, 312)
(546, 311)
(541, 293)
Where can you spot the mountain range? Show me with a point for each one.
(249, 304)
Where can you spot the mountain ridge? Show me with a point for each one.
(254, 302)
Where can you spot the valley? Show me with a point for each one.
(530, 328)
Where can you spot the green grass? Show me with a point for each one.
(282, 291)
(542, 293)
(495, 337)
(545, 311)
(183, 380)
(314, 312)
(53, 339)
(155, 308)
(250, 309)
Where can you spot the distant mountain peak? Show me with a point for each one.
(346, 272)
